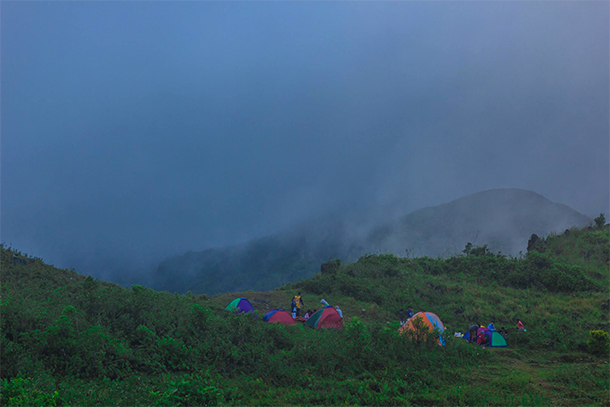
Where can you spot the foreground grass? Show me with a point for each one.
(68, 339)
(504, 379)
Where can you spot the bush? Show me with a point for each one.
(539, 270)
(190, 390)
(23, 392)
(330, 267)
(599, 343)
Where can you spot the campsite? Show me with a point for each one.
(304, 203)
(68, 339)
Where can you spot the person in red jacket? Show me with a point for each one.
(482, 339)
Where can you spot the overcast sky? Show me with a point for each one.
(136, 130)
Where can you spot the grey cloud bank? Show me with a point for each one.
(131, 131)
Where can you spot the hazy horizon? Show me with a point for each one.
(132, 131)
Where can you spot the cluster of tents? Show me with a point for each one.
(430, 322)
(426, 322)
(492, 339)
(328, 317)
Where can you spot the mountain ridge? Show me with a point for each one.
(483, 217)
(503, 219)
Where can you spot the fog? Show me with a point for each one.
(132, 131)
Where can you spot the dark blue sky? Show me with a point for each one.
(135, 130)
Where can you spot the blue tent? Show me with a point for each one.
(240, 305)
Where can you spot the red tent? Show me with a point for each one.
(279, 316)
(327, 317)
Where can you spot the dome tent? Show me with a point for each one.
(429, 320)
(279, 316)
(240, 305)
(496, 339)
(327, 317)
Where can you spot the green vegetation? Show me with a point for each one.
(599, 342)
(68, 339)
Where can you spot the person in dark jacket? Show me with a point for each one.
(293, 308)
(401, 316)
(298, 300)
(472, 331)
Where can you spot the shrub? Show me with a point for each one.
(190, 390)
(539, 270)
(599, 343)
(23, 392)
(330, 267)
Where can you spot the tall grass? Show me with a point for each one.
(71, 339)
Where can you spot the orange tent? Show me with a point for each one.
(423, 323)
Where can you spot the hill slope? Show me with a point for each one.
(67, 339)
(502, 218)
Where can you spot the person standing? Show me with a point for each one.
(401, 315)
(293, 308)
(409, 312)
(472, 332)
(339, 311)
(298, 300)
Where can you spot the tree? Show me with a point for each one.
(471, 250)
(600, 221)
(480, 251)
(534, 243)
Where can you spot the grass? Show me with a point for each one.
(69, 339)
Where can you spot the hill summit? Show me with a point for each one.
(503, 219)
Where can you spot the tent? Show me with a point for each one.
(471, 334)
(279, 316)
(496, 339)
(327, 317)
(240, 305)
(430, 320)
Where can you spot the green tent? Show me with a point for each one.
(497, 340)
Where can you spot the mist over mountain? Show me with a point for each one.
(503, 219)
(136, 131)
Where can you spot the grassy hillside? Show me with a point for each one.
(68, 339)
